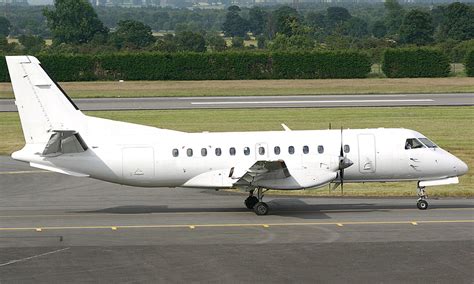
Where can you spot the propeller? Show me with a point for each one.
(344, 162)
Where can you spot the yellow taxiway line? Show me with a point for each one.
(265, 225)
(229, 212)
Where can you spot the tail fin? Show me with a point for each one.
(42, 104)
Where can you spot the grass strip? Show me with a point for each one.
(260, 87)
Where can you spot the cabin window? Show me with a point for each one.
(305, 149)
(276, 150)
(204, 152)
(291, 150)
(232, 151)
(218, 151)
(246, 151)
(189, 152)
(413, 143)
(175, 152)
(347, 149)
(261, 150)
(320, 149)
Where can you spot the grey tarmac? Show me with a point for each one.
(294, 101)
(56, 229)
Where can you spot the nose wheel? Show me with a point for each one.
(255, 202)
(422, 204)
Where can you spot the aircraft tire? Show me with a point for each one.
(251, 201)
(261, 208)
(422, 204)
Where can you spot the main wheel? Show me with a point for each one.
(422, 204)
(251, 201)
(261, 208)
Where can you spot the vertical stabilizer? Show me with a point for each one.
(42, 104)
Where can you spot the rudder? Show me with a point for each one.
(42, 105)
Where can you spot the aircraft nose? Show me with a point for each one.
(460, 167)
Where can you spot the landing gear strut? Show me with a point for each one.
(422, 204)
(256, 203)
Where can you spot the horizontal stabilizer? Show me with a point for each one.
(57, 170)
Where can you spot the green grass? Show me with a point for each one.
(450, 127)
(260, 87)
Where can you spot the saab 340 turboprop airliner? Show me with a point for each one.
(60, 138)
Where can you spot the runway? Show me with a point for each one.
(55, 228)
(306, 101)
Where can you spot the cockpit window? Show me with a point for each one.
(428, 143)
(413, 143)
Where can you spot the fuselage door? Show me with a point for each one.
(138, 163)
(367, 153)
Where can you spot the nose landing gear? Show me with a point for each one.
(256, 203)
(422, 204)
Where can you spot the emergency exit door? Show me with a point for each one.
(367, 153)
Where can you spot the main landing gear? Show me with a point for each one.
(422, 204)
(256, 203)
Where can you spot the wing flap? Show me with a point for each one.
(264, 170)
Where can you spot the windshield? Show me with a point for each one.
(413, 143)
(428, 143)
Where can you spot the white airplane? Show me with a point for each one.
(60, 138)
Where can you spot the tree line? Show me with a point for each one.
(75, 27)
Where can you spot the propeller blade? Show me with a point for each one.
(341, 153)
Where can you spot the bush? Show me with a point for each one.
(415, 62)
(3, 70)
(78, 67)
(308, 65)
(204, 66)
(469, 63)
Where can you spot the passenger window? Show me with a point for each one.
(347, 149)
(276, 150)
(305, 149)
(246, 151)
(320, 149)
(175, 152)
(413, 143)
(261, 150)
(232, 151)
(291, 150)
(204, 152)
(189, 152)
(218, 151)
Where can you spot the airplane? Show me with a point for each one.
(60, 138)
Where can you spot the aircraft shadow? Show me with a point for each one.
(290, 207)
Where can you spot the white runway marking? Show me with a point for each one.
(309, 102)
(286, 96)
(31, 257)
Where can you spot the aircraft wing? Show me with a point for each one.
(263, 170)
(276, 175)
